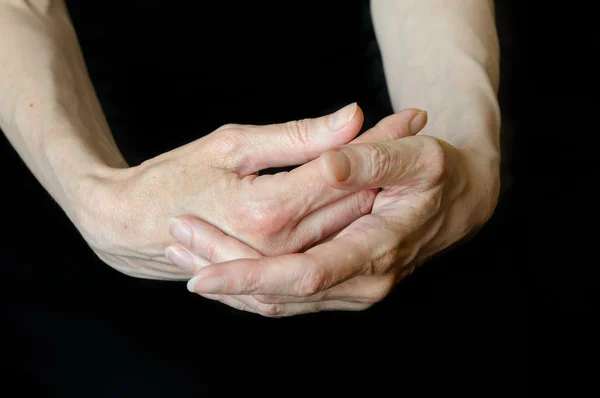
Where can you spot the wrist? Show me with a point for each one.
(93, 202)
(76, 162)
(483, 171)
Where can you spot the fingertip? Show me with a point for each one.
(191, 285)
(337, 166)
(358, 118)
(342, 117)
(345, 124)
(395, 126)
(418, 122)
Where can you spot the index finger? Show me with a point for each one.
(299, 274)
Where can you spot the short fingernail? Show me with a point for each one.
(180, 258)
(180, 231)
(342, 117)
(338, 163)
(206, 284)
(418, 122)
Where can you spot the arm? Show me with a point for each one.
(443, 56)
(437, 187)
(50, 114)
(48, 108)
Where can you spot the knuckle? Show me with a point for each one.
(314, 281)
(230, 141)
(230, 134)
(365, 200)
(229, 127)
(270, 310)
(379, 161)
(240, 306)
(262, 217)
(252, 280)
(266, 219)
(299, 133)
(205, 249)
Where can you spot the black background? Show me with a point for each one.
(507, 314)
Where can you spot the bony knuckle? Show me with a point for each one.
(313, 282)
(230, 140)
(230, 135)
(299, 132)
(230, 128)
(266, 219)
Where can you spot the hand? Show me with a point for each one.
(124, 217)
(432, 196)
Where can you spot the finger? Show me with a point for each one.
(305, 188)
(210, 245)
(300, 191)
(285, 310)
(230, 301)
(296, 142)
(411, 162)
(306, 274)
(202, 240)
(208, 242)
(399, 125)
(323, 222)
(182, 257)
(361, 289)
(230, 248)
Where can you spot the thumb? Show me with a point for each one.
(295, 142)
(415, 161)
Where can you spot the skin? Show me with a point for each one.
(354, 230)
(48, 108)
(434, 189)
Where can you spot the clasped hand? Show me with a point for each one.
(123, 214)
(429, 195)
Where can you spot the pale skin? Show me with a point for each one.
(48, 108)
(318, 241)
(434, 189)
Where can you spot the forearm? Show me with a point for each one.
(48, 108)
(443, 56)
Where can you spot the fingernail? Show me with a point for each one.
(180, 258)
(191, 285)
(418, 122)
(206, 284)
(180, 231)
(338, 163)
(342, 117)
